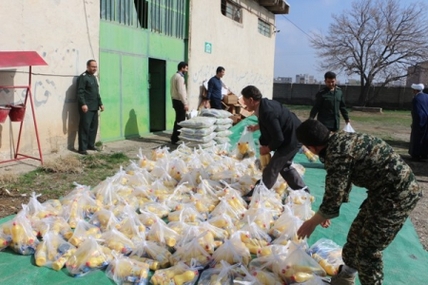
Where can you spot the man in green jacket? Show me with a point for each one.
(392, 193)
(89, 102)
(328, 103)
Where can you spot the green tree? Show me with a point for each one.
(377, 40)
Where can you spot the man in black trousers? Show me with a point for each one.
(89, 102)
(278, 133)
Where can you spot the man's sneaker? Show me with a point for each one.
(343, 278)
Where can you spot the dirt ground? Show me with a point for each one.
(10, 201)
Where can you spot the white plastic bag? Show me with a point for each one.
(348, 128)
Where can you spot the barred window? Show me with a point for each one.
(231, 10)
(166, 17)
(264, 28)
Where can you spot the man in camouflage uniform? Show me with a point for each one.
(369, 162)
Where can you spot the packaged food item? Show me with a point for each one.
(328, 254)
(88, 257)
(124, 270)
(179, 274)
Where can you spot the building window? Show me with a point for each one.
(161, 16)
(231, 10)
(264, 28)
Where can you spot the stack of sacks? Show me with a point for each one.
(198, 131)
(223, 124)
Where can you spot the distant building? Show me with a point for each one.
(418, 74)
(302, 78)
(283, 80)
(305, 79)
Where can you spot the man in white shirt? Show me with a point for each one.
(179, 98)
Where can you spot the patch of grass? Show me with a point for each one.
(55, 178)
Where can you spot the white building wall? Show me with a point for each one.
(246, 55)
(66, 34)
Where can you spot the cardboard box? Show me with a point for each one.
(244, 113)
(230, 99)
(236, 118)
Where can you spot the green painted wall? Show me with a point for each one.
(123, 69)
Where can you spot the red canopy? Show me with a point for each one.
(20, 58)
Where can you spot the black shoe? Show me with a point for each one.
(93, 148)
(83, 152)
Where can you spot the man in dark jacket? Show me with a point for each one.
(89, 102)
(277, 127)
(419, 135)
(328, 103)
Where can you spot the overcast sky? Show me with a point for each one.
(293, 53)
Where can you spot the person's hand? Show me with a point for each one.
(348, 121)
(264, 149)
(102, 108)
(85, 108)
(307, 228)
(207, 103)
(186, 108)
(253, 128)
(326, 223)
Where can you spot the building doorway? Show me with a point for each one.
(157, 94)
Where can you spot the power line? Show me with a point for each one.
(300, 29)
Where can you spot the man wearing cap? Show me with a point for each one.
(419, 135)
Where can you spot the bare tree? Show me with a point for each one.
(377, 39)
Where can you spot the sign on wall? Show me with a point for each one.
(208, 47)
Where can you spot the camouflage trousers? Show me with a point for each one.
(379, 220)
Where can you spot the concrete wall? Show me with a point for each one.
(247, 55)
(304, 94)
(65, 34)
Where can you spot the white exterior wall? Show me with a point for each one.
(66, 34)
(246, 55)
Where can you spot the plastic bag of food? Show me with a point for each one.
(56, 224)
(232, 251)
(192, 250)
(24, 239)
(104, 219)
(150, 252)
(223, 127)
(223, 221)
(283, 222)
(267, 277)
(179, 274)
(144, 162)
(117, 241)
(50, 249)
(301, 204)
(224, 273)
(289, 229)
(160, 153)
(160, 210)
(83, 231)
(159, 232)
(245, 147)
(35, 210)
(328, 254)
(298, 267)
(187, 213)
(124, 270)
(88, 257)
(5, 235)
(254, 237)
